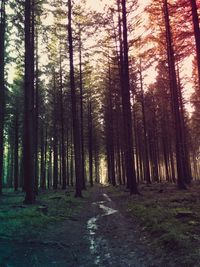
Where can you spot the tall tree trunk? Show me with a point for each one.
(16, 153)
(187, 166)
(36, 114)
(110, 127)
(136, 145)
(195, 19)
(55, 137)
(55, 161)
(2, 86)
(29, 104)
(126, 105)
(11, 167)
(42, 155)
(175, 102)
(76, 127)
(146, 153)
(172, 165)
(81, 111)
(90, 142)
(71, 161)
(67, 155)
(45, 155)
(118, 156)
(9, 161)
(49, 175)
(63, 150)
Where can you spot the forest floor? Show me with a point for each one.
(105, 228)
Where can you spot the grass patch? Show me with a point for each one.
(18, 220)
(170, 220)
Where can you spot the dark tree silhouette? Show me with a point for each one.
(28, 148)
(2, 85)
(126, 105)
(76, 126)
(182, 164)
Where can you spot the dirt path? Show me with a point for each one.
(100, 235)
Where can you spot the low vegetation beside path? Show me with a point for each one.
(169, 220)
(18, 220)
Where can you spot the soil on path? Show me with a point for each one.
(99, 235)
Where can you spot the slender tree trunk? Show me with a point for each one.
(12, 167)
(175, 102)
(75, 121)
(146, 153)
(42, 155)
(63, 150)
(29, 105)
(195, 18)
(9, 161)
(81, 111)
(165, 155)
(172, 165)
(187, 167)
(16, 156)
(2, 86)
(90, 142)
(111, 134)
(180, 157)
(36, 114)
(49, 179)
(136, 144)
(71, 162)
(118, 156)
(96, 163)
(60, 162)
(55, 161)
(126, 105)
(55, 138)
(67, 156)
(45, 155)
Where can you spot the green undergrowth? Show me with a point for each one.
(169, 219)
(18, 220)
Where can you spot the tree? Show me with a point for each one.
(195, 19)
(2, 85)
(182, 164)
(76, 126)
(125, 91)
(28, 145)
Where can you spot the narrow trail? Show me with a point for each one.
(99, 235)
(112, 240)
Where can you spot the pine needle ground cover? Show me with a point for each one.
(169, 221)
(21, 221)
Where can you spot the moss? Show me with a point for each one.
(17, 220)
(170, 220)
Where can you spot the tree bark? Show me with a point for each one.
(55, 137)
(2, 86)
(42, 160)
(75, 121)
(63, 150)
(195, 19)
(175, 102)
(36, 115)
(146, 153)
(126, 105)
(29, 105)
(81, 111)
(90, 142)
(16, 153)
